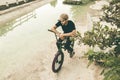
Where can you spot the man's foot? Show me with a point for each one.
(72, 54)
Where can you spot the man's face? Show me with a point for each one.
(63, 22)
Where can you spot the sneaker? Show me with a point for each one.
(72, 54)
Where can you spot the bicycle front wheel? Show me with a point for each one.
(57, 62)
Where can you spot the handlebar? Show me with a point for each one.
(57, 37)
(51, 31)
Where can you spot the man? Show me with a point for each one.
(69, 30)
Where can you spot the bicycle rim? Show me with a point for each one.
(57, 62)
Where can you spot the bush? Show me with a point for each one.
(107, 40)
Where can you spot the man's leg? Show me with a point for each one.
(69, 48)
(67, 45)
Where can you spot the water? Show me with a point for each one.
(28, 34)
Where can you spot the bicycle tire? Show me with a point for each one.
(56, 62)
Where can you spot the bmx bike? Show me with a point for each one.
(59, 56)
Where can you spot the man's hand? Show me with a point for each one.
(58, 34)
(73, 33)
(62, 36)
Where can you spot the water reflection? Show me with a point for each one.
(53, 3)
(11, 25)
(79, 12)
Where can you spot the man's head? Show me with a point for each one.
(63, 18)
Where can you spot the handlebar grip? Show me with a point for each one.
(50, 30)
(53, 32)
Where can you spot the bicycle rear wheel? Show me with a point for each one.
(57, 62)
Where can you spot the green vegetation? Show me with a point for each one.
(112, 13)
(86, 1)
(107, 42)
(53, 3)
(76, 2)
(72, 2)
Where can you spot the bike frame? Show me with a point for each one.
(62, 43)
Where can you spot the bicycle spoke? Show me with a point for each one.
(58, 62)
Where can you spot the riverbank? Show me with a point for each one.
(15, 12)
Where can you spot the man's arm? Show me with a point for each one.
(54, 30)
(73, 33)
